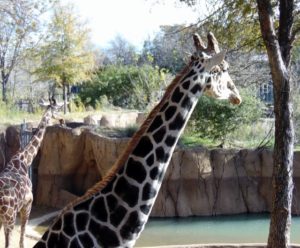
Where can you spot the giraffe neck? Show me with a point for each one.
(115, 210)
(139, 181)
(24, 158)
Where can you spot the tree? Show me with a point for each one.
(279, 25)
(235, 22)
(20, 21)
(279, 45)
(168, 48)
(65, 57)
(248, 63)
(121, 52)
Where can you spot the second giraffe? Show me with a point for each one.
(15, 185)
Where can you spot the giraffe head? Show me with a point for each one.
(55, 107)
(52, 107)
(218, 84)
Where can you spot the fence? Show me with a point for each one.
(25, 136)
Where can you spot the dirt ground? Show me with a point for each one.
(29, 242)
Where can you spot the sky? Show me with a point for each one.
(134, 20)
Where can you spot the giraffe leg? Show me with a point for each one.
(8, 233)
(0, 225)
(24, 216)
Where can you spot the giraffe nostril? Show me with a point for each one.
(235, 100)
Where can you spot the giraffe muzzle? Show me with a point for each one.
(235, 100)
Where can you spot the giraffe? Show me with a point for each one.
(114, 211)
(15, 185)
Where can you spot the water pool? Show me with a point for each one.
(221, 229)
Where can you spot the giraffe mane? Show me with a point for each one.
(130, 146)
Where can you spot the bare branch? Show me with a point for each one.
(201, 21)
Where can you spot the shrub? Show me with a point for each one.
(123, 86)
(76, 105)
(215, 119)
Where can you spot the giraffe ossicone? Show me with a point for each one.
(15, 185)
(114, 211)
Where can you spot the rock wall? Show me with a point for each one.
(9, 144)
(198, 181)
(71, 161)
(214, 182)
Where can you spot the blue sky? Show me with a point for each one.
(134, 20)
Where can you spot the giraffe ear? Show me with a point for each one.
(215, 60)
(43, 103)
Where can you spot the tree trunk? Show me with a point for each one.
(68, 98)
(279, 49)
(4, 92)
(279, 234)
(65, 97)
(4, 88)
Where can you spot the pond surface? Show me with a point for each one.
(221, 229)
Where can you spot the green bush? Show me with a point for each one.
(76, 105)
(254, 135)
(124, 86)
(215, 119)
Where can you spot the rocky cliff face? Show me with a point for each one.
(71, 161)
(213, 182)
(198, 181)
(9, 144)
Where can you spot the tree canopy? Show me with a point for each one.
(65, 56)
(277, 25)
(20, 24)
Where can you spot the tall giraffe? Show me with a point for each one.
(114, 211)
(15, 185)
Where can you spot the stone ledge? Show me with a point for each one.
(250, 245)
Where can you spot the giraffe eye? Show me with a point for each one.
(224, 67)
(230, 86)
